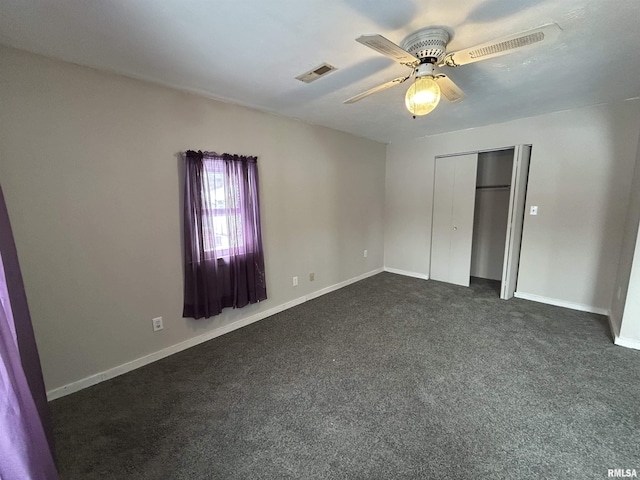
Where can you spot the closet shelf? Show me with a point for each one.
(494, 187)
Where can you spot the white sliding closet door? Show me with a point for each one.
(454, 196)
(519, 177)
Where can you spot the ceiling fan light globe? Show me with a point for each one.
(422, 96)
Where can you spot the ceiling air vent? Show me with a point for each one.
(512, 44)
(316, 73)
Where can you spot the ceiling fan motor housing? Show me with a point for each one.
(428, 44)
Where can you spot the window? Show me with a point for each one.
(222, 216)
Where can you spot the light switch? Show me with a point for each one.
(533, 210)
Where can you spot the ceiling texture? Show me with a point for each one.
(249, 52)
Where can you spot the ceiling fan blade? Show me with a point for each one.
(387, 47)
(502, 46)
(449, 89)
(379, 88)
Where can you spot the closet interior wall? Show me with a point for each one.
(491, 213)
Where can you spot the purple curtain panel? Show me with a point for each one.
(223, 257)
(24, 417)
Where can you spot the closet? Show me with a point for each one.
(478, 211)
(491, 212)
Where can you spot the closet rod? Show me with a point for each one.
(494, 187)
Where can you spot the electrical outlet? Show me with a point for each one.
(533, 210)
(157, 324)
(312, 277)
(366, 252)
(295, 281)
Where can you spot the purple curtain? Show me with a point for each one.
(224, 261)
(25, 434)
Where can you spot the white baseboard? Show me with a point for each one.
(617, 339)
(407, 273)
(192, 342)
(627, 342)
(561, 303)
(338, 286)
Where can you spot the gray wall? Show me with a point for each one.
(580, 177)
(89, 166)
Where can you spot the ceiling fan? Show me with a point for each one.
(426, 50)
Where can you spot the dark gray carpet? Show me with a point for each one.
(391, 377)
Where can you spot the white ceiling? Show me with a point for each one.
(249, 52)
